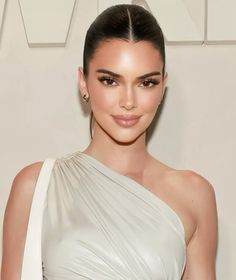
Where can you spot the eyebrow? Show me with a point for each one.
(154, 73)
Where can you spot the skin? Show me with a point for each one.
(124, 150)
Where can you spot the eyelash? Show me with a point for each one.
(110, 79)
(106, 78)
(153, 81)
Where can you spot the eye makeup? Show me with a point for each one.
(111, 81)
(107, 80)
(149, 83)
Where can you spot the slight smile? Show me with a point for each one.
(126, 120)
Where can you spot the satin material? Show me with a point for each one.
(32, 258)
(100, 225)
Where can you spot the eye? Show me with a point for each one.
(149, 83)
(108, 81)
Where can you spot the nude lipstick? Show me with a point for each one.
(126, 120)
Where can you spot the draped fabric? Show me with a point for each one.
(100, 225)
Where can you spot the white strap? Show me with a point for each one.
(32, 259)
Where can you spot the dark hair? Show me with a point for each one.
(126, 22)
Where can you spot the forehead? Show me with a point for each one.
(126, 56)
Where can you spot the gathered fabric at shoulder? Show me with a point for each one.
(101, 225)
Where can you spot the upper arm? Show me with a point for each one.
(15, 221)
(201, 250)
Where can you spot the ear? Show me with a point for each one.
(82, 83)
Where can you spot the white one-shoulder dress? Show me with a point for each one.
(98, 224)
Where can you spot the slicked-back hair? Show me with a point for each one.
(126, 22)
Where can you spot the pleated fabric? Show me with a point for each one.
(101, 225)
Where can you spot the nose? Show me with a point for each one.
(128, 99)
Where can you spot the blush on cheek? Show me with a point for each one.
(102, 98)
(150, 104)
(102, 103)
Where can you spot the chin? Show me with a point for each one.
(121, 135)
(125, 138)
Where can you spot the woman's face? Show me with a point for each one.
(125, 86)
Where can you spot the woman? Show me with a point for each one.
(113, 211)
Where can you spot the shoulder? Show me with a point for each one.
(25, 181)
(198, 196)
(16, 218)
(22, 188)
(192, 182)
(197, 190)
(188, 183)
(29, 172)
(200, 199)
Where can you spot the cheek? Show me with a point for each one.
(150, 101)
(101, 98)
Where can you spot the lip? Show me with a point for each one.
(126, 120)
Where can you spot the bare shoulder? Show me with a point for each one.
(23, 185)
(198, 192)
(16, 219)
(199, 214)
(193, 182)
(197, 195)
(190, 194)
(187, 182)
(28, 173)
(192, 197)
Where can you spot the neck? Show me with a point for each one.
(122, 157)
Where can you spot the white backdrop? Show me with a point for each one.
(41, 113)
